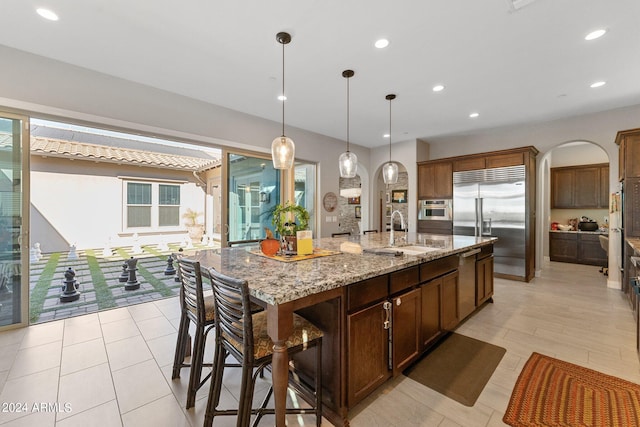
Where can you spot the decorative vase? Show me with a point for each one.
(269, 247)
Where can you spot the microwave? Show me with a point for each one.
(435, 209)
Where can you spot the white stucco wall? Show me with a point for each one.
(81, 203)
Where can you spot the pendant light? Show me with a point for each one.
(390, 169)
(282, 148)
(348, 161)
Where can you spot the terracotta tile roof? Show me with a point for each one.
(82, 150)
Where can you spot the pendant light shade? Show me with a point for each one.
(348, 161)
(283, 149)
(390, 169)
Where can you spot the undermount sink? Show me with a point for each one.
(416, 249)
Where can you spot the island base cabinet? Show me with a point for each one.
(484, 280)
(431, 327)
(450, 310)
(368, 350)
(405, 330)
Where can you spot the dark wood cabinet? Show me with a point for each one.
(435, 180)
(433, 226)
(368, 352)
(431, 322)
(488, 161)
(469, 164)
(405, 330)
(629, 153)
(590, 251)
(576, 248)
(583, 187)
(563, 247)
(449, 305)
(484, 279)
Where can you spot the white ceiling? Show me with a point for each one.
(511, 66)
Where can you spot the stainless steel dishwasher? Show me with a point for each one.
(467, 282)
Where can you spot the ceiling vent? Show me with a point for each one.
(515, 5)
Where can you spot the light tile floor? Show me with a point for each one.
(113, 368)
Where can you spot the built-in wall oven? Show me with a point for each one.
(435, 209)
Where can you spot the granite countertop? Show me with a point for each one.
(580, 231)
(276, 282)
(634, 242)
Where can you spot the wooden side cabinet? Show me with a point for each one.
(577, 248)
(629, 153)
(430, 314)
(484, 279)
(583, 187)
(563, 247)
(435, 180)
(368, 352)
(450, 310)
(405, 329)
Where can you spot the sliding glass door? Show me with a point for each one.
(253, 190)
(14, 216)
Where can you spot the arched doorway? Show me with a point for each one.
(385, 202)
(572, 153)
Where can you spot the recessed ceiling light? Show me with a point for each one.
(282, 98)
(47, 14)
(438, 88)
(386, 135)
(382, 43)
(595, 34)
(474, 115)
(598, 84)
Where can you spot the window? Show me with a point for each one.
(138, 205)
(169, 205)
(152, 205)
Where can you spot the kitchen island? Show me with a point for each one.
(349, 296)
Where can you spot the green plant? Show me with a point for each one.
(191, 217)
(289, 218)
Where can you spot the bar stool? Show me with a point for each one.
(246, 339)
(199, 309)
(604, 244)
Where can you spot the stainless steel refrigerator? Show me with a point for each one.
(491, 202)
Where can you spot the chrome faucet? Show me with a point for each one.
(392, 239)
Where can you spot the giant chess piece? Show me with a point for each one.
(132, 282)
(124, 276)
(70, 288)
(170, 270)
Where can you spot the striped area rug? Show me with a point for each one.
(552, 392)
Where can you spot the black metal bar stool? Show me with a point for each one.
(199, 309)
(244, 336)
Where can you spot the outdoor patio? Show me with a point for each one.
(97, 277)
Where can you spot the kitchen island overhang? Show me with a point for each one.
(327, 290)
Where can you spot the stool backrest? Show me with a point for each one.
(191, 293)
(604, 242)
(233, 312)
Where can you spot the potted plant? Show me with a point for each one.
(287, 220)
(191, 222)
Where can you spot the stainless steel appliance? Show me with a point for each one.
(491, 202)
(434, 209)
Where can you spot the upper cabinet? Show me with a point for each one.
(582, 187)
(435, 180)
(629, 154)
(435, 177)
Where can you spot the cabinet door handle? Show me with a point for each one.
(387, 309)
